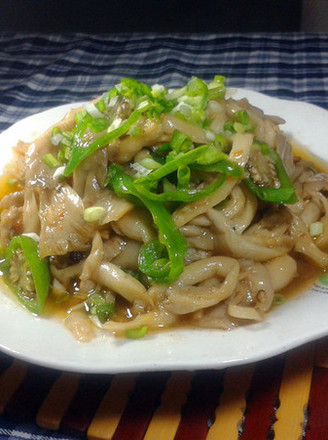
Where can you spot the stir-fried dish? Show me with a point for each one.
(150, 209)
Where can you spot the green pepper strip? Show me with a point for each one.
(150, 260)
(224, 166)
(286, 193)
(80, 153)
(143, 184)
(171, 166)
(181, 195)
(169, 235)
(38, 268)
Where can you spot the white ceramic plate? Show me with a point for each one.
(304, 318)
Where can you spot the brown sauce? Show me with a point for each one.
(307, 274)
(56, 307)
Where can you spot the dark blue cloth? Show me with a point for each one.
(10, 430)
(41, 71)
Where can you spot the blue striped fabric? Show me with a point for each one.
(10, 430)
(41, 71)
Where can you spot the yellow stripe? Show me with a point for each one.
(230, 411)
(166, 419)
(294, 394)
(10, 381)
(57, 401)
(111, 408)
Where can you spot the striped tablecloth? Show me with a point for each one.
(283, 398)
(38, 72)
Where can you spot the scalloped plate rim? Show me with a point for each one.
(46, 342)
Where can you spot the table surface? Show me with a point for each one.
(283, 398)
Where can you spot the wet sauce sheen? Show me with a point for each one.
(307, 272)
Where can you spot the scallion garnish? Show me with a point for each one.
(50, 160)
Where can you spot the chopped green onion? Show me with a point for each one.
(324, 279)
(101, 106)
(104, 312)
(143, 104)
(182, 109)
(243, 117)
(216, 88)
(240, 123)
(278, 299)
(135, 131)
(140, 169)
(94, 213)
(211, 156)
(180, 142)
(12, 182)
(56, 137)
(50, 160)
(136, 333)
(157, 90)
(80, 116)
(149, 163)
(316, 228)
(220, 141)
(59, 172)
(93, 111)
(101, 305)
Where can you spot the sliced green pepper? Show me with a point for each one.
(80, 152)
(224, 166)
(151, 260)
(196, 155)
(203, 154)
(26, 273)
(182, 194)
(285, 193)
(168, 268)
